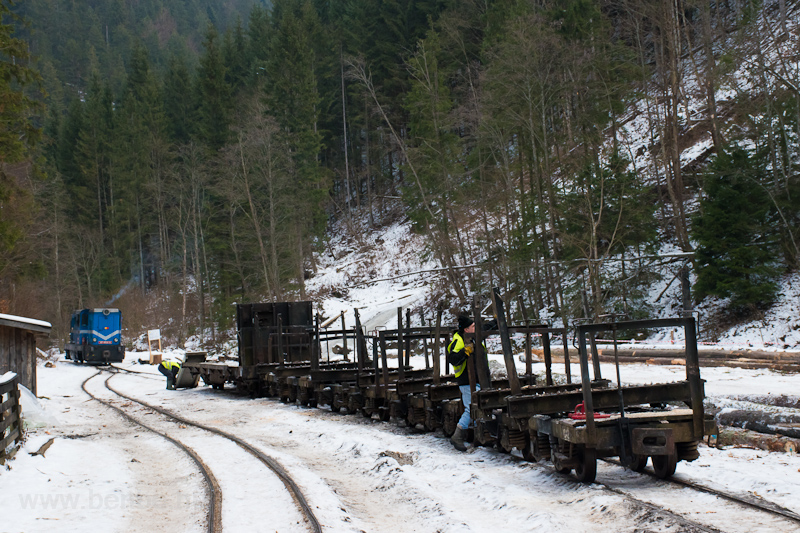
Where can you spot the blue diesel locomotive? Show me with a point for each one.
(94, 336)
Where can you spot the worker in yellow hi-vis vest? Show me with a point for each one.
(170, 369)
(458, 354)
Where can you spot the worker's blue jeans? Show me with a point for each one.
(466, 400)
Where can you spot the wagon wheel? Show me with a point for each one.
(586, 469)
(527, 451)
(636, 462)
(664, 465)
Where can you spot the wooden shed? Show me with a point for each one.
(18, 347)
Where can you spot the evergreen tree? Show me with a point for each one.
(94, 148)
(734, 229)
(293, 96)
(213, 94)
(178, 102)
(19, 85)
(237, 58)
(18, 132)
(141, 162)
(258, 32)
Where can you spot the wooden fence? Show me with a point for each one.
(10, 419)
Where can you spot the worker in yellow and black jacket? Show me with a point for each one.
(170, 369)
(458, 353)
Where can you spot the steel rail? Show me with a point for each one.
(762, 505)
(687, 524)
(138, 373)
(215, 493)
(273, 465)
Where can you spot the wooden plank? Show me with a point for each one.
(24, 325)
(16, 357)
(32, 356)
(5, 388)
(14, 436)
(5, 356)
(7, 423)
(7, 405)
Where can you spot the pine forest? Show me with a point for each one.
(175, 157)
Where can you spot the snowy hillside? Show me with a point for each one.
(386, 268)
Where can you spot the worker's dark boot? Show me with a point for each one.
(458, 440)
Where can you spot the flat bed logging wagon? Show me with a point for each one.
(270, 336)
(570, 422)
(663, 422)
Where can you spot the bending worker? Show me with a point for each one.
(170, 369)
(458, 353)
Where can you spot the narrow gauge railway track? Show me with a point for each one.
(745, 501)
(268, 461)
(682, 522)
(687, 523)
(146, 375)
(214, 517)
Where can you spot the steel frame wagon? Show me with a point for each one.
(636, 423)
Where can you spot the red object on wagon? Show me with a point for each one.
(580, 413)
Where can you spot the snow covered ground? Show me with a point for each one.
(103, 473)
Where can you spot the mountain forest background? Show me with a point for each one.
(174, 157)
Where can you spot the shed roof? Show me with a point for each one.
(21, 322)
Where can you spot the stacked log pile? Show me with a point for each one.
(783, 361)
